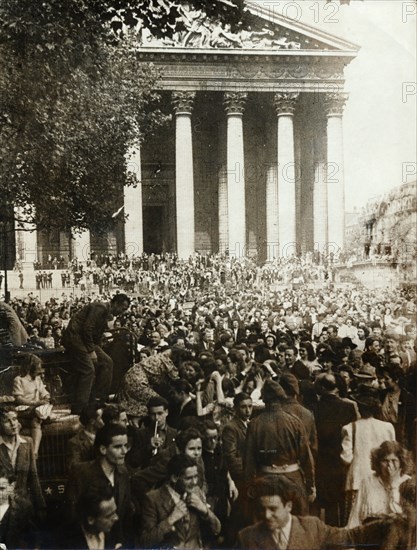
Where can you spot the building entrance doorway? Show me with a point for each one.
(153, 229)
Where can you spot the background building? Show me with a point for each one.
(252, 162)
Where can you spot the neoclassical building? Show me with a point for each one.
(252, 162)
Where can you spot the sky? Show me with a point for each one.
(380, 116)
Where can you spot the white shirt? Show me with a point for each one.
(3, 509)
(282, 536)
(12, 448)
(94, 542)
(357, 444)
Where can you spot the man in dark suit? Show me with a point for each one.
(206, 342)
(17, 459)
(17, 526)
(399, 405)
(234, 441)
(332, 413)
(183, 404)
(174, 515)
(107, 471)
(81, 447)
(96, 516)
(155, 436)
(234, 437)
(82, 339)
(237, 331)
(225, 344)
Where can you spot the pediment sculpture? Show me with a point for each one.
(199, 31)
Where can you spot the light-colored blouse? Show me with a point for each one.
(375, 499)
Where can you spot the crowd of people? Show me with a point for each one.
(144, 273)
(259, 411)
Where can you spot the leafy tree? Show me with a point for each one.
(72, 101)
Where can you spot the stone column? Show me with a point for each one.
(223, 211)
(133, 204)
(26, 240)
(320, 218)
(223, 223)
(334, 103)
(184, 173)
(81, 245)
(272, 232)
(285, 104)
(300, 189)
(234, 103)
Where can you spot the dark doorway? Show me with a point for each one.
(153, 229)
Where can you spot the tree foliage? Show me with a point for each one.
(73, 97)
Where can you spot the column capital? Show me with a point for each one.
(334, 103)
(183, 102)
(234, 102)
(285, 103)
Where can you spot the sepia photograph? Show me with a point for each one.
(208, 274)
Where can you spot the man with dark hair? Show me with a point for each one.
(295, 366)
(115, 414)
(154, 437)
(373, 344)
(399, 405)
(221, 489)
(234, 442)
(173, 516)
(107, 470)
(17, 525)
(276, 444)
(331, 413)
(80, 448)
(96, 516)
(82, 338)
(392, 350)
(225, 344)
(183, 404)
(234, 436)
(279, 528)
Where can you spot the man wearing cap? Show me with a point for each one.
(291, 387)
(367, 373)
(277, 444)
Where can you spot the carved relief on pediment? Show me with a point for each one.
(199, 31)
